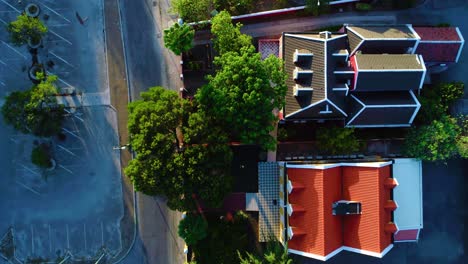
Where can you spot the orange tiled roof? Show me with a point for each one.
(323, 232)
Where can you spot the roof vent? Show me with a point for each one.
(325, 34)
(343, 207)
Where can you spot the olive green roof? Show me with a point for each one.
(389, 62)
(384, 32)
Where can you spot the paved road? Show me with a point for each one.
(149, 64)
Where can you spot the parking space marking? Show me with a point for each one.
(62, 59)
(102, 234)
(9, 46)
(32, 239)
(64, 39)
(71, 172)
(2, 83)
(61, 80)
(30, 170)
(28, 188)
(3, 21)
(11, 6)
(71, 133)
(66, 150)
(50, 239)
(53, 11)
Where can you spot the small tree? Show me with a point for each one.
(36, 110)
(192, 229)
(275, 253)
(40, 156)
(450, 92)
(179, 38)
(235, 7)
(26, 28)
(462, 141)
(227, 37)
(316, 7)
(434, 142)
(337, 140)
(193, 11)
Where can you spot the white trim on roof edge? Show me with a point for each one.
(369, 253)
(370, 126)
(343, 72)
(339, 164)
(421, 59)
(462, 43)
(339, 109)
(338, 250)
(418, 106)
(392, 70)
(441, 41)
(309, 38)
(392, 106)
(359, 112)
(417, 36)
(305, 108)
(325, 71)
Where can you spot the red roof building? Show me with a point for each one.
(343, 206)
(439, 44)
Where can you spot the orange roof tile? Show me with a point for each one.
(324, 232)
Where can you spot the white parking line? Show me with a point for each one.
(28, 188)
(50, 239)
(62, 59)
(85, 242)
(71, 153)
(28, 169)
(64, 82)
(11, 6)
(102, 234)
(71, 133)
(53, 11)
(2, 83)
(71, 172)
(68, 237)
(3, 21)
(32, 239)
(2, 62)
(64, 39)
(21, 54)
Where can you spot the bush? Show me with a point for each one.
(235, 7)
(450, 92)
(192, 229)
(337, 140)
(363, 7)
(41, 157)
(443, 25)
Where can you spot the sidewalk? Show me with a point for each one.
(119, 100)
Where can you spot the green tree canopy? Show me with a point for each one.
(227, 37)
(235, 7)
(316, 7)
(275, 253)
(36, 110)
(179, 38)
(164, 165)
(434, 142)
(337, 140)
(243, 94)
(26, 28)
(192, 229)
(193, 11)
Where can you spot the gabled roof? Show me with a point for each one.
(388, 72)
(381, 109)
(440, 44)
(316, 232)
(310, 60)
(393, 39)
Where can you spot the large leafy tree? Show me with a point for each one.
(235, 7)
(275, 253)
(36, 110)
(227, 37)
(434, 142)
(26, 28)
(316, 7)
(165, 165)
(179, 38)
(193, 11)
(243, 94)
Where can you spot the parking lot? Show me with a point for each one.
(73, 211)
